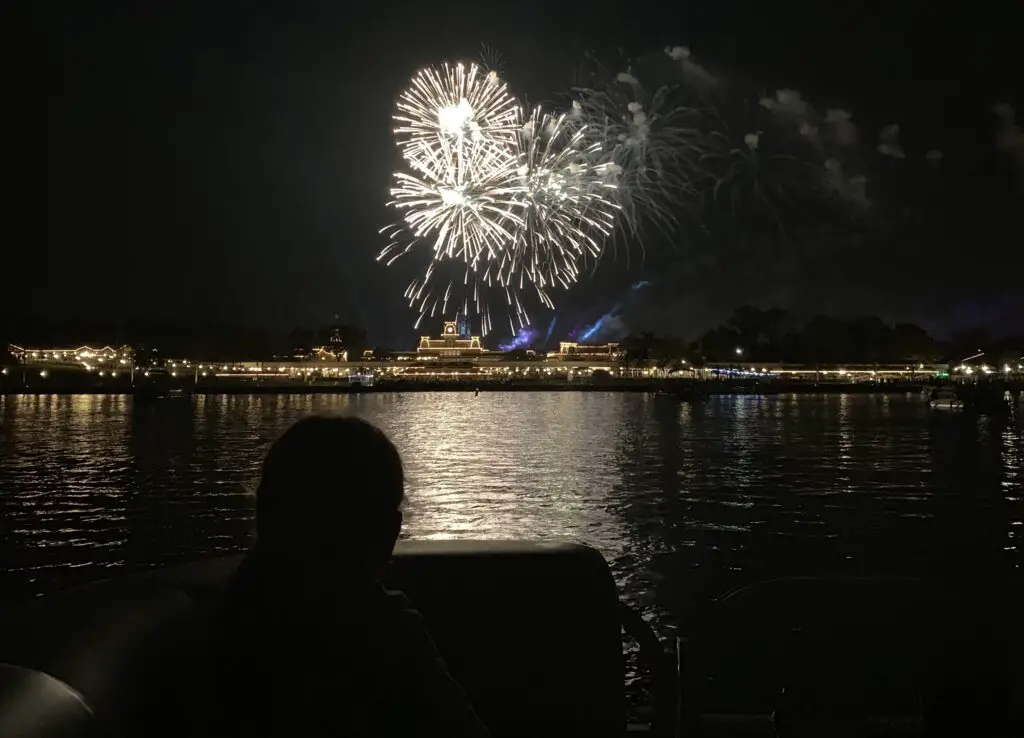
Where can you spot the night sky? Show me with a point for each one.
(215, 160)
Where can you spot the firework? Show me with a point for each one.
(507, 204)
(565, 206)
(768, 158)
(764, 168)
(649, 137)
(457, 109)
(450, 289)
(464, 211)
(456, 127)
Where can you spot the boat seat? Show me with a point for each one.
(37, 705)
(875, 651)
(115, 648)
(531, 630)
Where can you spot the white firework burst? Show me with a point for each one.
(565, 206)
(508, 205)
(457, 108)
(461, 210)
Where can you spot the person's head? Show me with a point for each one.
(331, 493)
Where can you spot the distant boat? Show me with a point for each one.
(157, 384)
(148, 394)
(945, 399)
(359, 381)
(681, 394)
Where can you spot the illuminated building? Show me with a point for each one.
(581, 351)
(451, 343)
(83, 355)
(334, 352)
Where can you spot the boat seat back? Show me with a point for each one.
(531, 631)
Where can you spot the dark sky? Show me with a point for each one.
(232, 161)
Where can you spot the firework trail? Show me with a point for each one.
(492, 59)
(764, 167)
(776, 158)
(647, 135)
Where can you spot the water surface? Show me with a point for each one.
(686, 501)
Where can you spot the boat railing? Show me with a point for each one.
(665, 667)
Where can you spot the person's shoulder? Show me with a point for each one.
(404, 621)
(396, 599)
(398, 607)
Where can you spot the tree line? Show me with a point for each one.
(773, 335)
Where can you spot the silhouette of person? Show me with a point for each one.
(311, 644)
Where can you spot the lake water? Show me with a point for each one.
(685, 501)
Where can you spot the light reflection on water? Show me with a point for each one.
(685, 501)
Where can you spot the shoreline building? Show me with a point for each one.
(82, 357)
(455, 342)
(334, 350)
(571, 350)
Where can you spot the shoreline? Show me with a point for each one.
(684, 390)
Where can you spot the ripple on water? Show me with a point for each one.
(685, 501)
